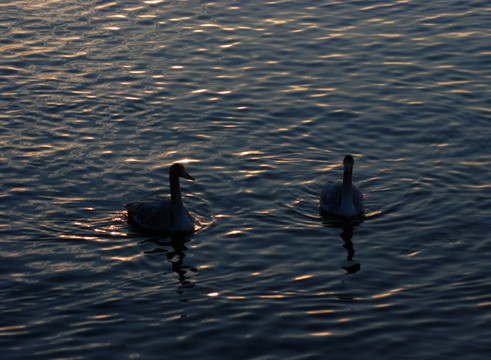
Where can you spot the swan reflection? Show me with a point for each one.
(175, 256)
(347, 226)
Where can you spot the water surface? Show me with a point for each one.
(261, 100)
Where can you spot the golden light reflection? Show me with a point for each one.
(229, 45)
(414, 253)
(126, 258)
(373, 213)
(5, 330)
(342, 320)
(250, 152)
(187, 161)
(479, 108)
(110, 248)
(320, 312)
(298, 278)
(318, 95)
(180, 19)
(278, 21)
(77, 54)
(205, 266)
(78, 237)
(236, 297)
(461, 34)
(325, 333)
(276, 296)
(105, 5)
(478, 187)
(210, 25)
(136, 8)
(265, 212)
(249, 173)
(19, 189)
(379, 306)
(8, 47)
(389, 35)
(458, 82)
(213, 294)
(296, 88)
(81, 92)
(488, 303)
(307, 182)
(398, 63)
(388, 293)
(329, 167)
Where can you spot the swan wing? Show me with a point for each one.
(331, 197)
(153, 213)
(358, 200)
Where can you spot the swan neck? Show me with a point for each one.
(175, 191)
(347, 185)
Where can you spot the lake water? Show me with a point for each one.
(261, 100)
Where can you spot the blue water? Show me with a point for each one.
(261, 101)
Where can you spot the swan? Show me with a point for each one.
(158, 213)
(342, 198)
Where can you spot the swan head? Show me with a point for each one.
(178, 170)
(348, 163)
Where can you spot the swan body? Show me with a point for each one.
(343, 198)
(158, 213)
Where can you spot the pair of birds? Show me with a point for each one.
(341, 199)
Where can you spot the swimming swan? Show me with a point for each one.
(160, 213)
(342, 198)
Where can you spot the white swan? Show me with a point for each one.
(160, 213)
(343, 198)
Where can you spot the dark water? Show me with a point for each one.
(261, 100)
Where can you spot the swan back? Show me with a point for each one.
(342, 198)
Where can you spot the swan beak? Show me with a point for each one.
(187, 176)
